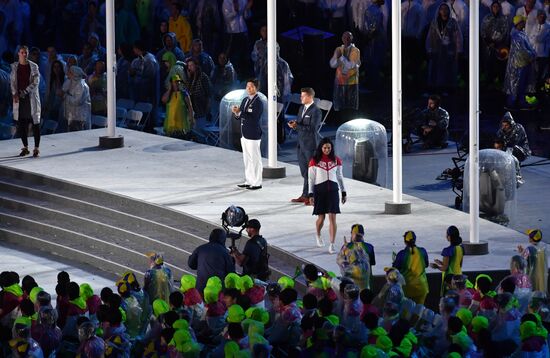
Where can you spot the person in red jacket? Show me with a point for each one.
(325, 180)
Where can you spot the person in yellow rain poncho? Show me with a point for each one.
(356, 258)
(411, 263)
(537, 260)
(179, 112)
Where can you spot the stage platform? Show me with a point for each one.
(201, 180)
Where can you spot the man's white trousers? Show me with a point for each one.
(252, 158)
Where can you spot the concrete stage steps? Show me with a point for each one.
(108, 231)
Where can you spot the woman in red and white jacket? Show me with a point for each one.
(325, 179)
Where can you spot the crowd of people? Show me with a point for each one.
(184, 56)
(225, 314)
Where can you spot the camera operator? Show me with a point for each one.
(254, 258)
(211, 259)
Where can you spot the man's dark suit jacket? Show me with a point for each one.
(251, 114)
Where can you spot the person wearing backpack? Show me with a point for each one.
(255, 258)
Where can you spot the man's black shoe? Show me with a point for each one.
(254, 187)
(243, 185)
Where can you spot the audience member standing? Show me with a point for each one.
(91, 23)
(97, 82)
(99, 51)
(224, 77)
(170, 44)
(325, 180)
(412, 20)
(494, 33)
(519, 78)
(259, 54)
(198, 85)
(307, 125)
(333, 14)
(236, 42)
(375, 43)
(54, 100)
(179, 111)
(24, 81)
(124, 53)
(126, 25)
(201, 58)
(47, 71)
(179, 25)
(144, 12)
(346, 60)
(144, 81)
(542, 47)
(208, 25)
(443, 46)
(77, 102)
(529, 11)
(250, 114)
(87, 60)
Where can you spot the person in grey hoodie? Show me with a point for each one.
(170, 44)
(211, 259)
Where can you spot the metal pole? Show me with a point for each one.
(111, 67)
(272, 83)
(474, 122)
(397, 94)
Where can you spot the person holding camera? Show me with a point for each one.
(254, 259)
(211, 259)
(250, 113)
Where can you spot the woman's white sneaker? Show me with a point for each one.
(320, 242)
(331, 249)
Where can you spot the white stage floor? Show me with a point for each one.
(201, 180)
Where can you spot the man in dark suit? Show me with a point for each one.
(250, 114)
(307, 125)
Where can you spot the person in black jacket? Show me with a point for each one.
(250, 114)
(254, 258)
(307, 124)
(211, 259)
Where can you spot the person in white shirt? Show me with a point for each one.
(529, 11)
(542, 46)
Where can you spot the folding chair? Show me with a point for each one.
(99, 121)
(121, 116)
(133, 119)
(146, 109)
(48, 127)
(324, 105)
(125, 103)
